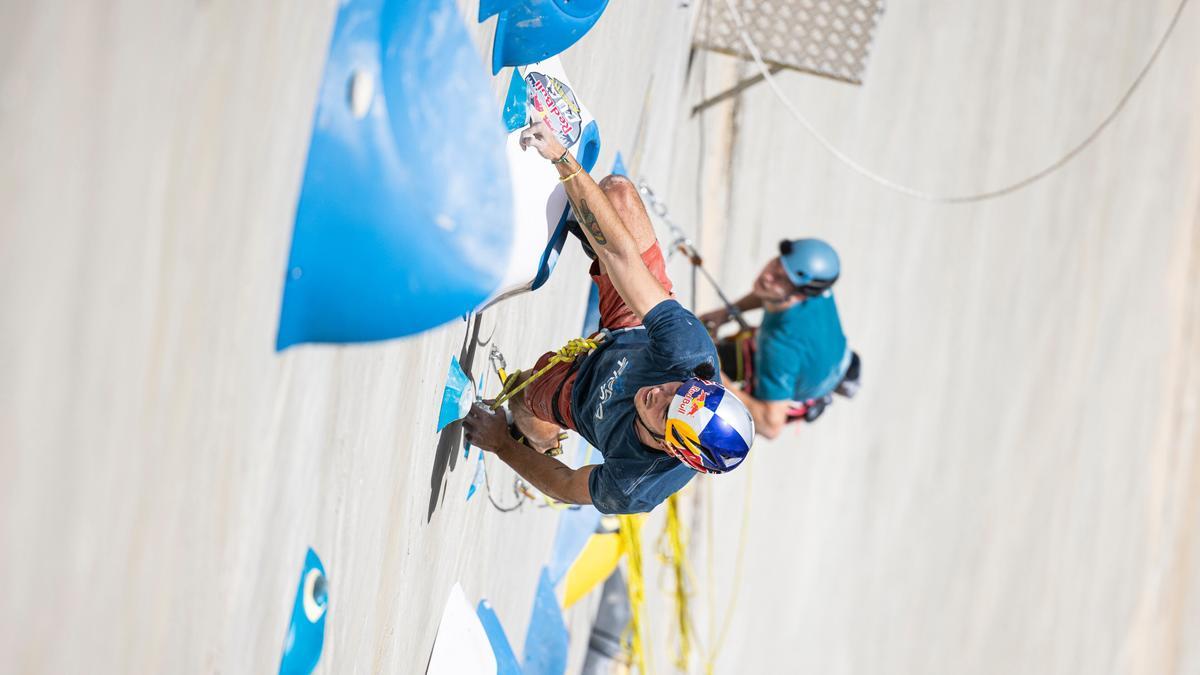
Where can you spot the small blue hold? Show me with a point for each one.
(306, 632)
(619, 166)
(515, 115)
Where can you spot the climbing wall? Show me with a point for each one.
(1014, 491)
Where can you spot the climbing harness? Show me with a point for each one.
(569, 353)
(574, 348)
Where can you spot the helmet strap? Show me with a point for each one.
(653, 434)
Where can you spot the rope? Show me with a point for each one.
(574, 348)
(630, 532)
(673, 553)
(952, 199)
(496, 359)
(685, 246)
(487, 483)
(717, 639)
(738, 568)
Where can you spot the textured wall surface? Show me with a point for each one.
(1017, 489)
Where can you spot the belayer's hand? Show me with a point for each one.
(714, 320)
(539, 137)
(484, 428)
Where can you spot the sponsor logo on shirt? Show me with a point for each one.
(606, 389)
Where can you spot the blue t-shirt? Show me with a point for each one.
(802, 352)
(633, 477)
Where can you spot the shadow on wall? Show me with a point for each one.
(450, 440)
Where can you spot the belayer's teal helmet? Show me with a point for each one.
(811, 264)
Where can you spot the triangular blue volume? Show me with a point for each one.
(457, 395)
(405, 211)
(516, 102)
(619, 166)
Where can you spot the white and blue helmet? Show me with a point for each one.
(708, 428)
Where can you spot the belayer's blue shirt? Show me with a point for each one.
(802, 352)
(633, 477)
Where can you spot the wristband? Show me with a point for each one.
(562, 159)
(568, 178)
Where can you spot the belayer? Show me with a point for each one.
(798, 358)
(645, 396)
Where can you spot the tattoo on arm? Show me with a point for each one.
(589, 221)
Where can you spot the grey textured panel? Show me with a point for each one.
(824, 37)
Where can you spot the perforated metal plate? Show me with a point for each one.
(824, 37)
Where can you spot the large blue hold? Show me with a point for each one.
(405, 209)
(528, 31)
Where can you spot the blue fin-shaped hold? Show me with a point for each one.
(306, 632)
(515, 115)
(506, 661)
(619, 166)
(587, 153)
(478, 478)
(546, 640)
(457, 396)
(488, 8)
(394, 232)
(529, 31)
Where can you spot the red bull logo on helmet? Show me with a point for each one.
(692, 401)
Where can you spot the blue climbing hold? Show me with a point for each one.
(506, 661)
(515, 102)
(575, 527)
(457, 396)
(528, 31)
(306, 632)
(546, 639)
(396, 231)
(589, 152)
(619, 166)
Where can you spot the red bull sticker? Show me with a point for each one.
(555, 103)
(692, 401)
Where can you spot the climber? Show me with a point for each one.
(798, 358)
(645, 396)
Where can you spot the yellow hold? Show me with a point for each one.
(597, 561)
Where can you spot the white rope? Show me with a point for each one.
(951, 199)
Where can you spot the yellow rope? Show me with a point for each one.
(634, 638)
(716, 639)
(569, 352)
(673, 552)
